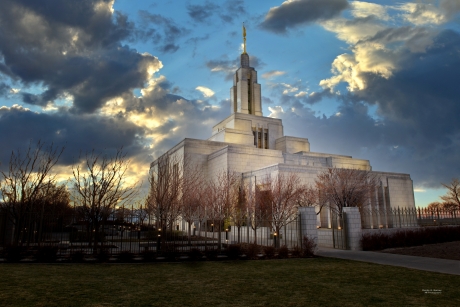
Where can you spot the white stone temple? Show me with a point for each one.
(253, 145)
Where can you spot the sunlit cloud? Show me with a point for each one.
(362, 9)
(272, 74)
(353, 31)
(422, 14)
(207, 92)
(301, 94)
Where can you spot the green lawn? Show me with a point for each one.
(291, 282)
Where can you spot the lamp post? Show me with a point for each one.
(274, 238)
(159, 240)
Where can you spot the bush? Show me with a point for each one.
(308, 247)
(269, 252)
(296, 251)
(13, 253)
(77, 256)
(47, 254)
(407, 238)
(126, 256)
(252, 250)
(211, 254)
(283, 252)
(195, 254)
(103, 255)
(234, 251)
(149, 256)
(169, 251)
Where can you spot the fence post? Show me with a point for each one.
(308, 223)
(353, 228)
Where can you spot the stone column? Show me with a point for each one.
(308, 223)
(353, 228)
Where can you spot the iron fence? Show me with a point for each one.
(70, 234)
(408, 217)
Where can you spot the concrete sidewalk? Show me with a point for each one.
(412, 262)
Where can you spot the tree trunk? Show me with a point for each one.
(189, 233)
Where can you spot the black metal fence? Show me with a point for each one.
(408, 217)
(136, 233)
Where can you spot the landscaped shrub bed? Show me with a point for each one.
(407, 238)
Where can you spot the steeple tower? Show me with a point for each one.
(246, 92)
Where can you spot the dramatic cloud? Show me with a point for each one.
(293, 13)
(78, 133)
(70, 49)
(145, 126)
(167, 38)
(375, 54)
(401, 105)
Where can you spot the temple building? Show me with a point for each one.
(253, 145)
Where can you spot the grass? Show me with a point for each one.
(291, 282)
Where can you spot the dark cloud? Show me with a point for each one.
(227, 11)
(416, 130)
(235, 8)
(4, 89)
(201, 13)
(78, 133)
(166, 40)
(70, 48)
(293, 13)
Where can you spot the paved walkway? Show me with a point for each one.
(418, 263)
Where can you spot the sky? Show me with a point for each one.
(375, 80)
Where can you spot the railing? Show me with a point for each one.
(72, 235)
(408, 217)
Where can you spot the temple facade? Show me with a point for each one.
(246, 142)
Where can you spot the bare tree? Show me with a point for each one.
(25, 181)
(53, 199)
(164, 201)
(433, 206)
(284, 192)
(222, 196)
(453, 192)
(346, 187)
(257, 206)
(239, 212)
(193, 185)
(99, 186)
(311, 197)
(450, 207)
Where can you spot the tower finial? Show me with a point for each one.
(244, 39)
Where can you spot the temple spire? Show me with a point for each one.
(245, 93)
(244, 39)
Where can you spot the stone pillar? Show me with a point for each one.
(308, 223)
(353, 227)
